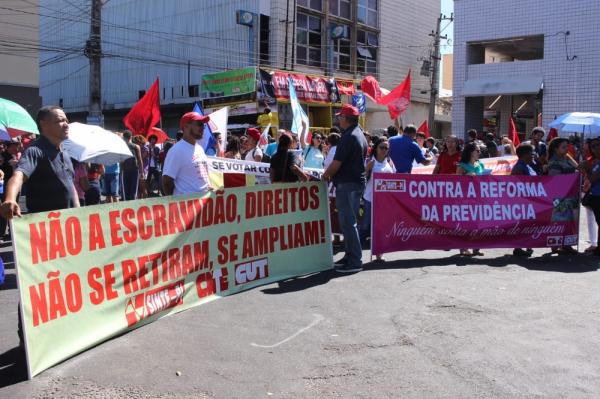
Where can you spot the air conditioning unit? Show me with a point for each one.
(338, 31)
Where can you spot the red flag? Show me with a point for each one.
(398, 99)
(145, 113)
(512, 133)
(161, 136)
(425, 129)
(552, 134)
(370, 86)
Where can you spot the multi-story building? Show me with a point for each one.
(181, 42)
(532, 60)
(19, 77)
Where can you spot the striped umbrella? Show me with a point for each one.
(15, 121)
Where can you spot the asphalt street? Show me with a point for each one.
(422, 325)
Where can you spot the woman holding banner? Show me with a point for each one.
(285, 165)
(470, 165)
(561, 163)
(379, 162)
(594, 178)
(449, 158)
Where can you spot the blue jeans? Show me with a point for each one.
(348, 204)
(365, 223)
(92, 195)
(129, 184)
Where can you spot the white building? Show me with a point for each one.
(524, 58)
(182, 41)
(19, 73)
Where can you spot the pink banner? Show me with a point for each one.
(308, 88)
(500, 166)
(420, 212)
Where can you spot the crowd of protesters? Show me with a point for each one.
(346, 153)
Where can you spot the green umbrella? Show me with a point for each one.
(15, 121)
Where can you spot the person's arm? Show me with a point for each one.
(10, 207)
(140, 162)
(460, 171)
(420, 158)
(258, 156)
(438, 166)
(298, 172)
(332, 169)
(369, 166)
(168, 184)
(75, 196)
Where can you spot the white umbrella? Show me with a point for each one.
(89, 143)
(586, 123)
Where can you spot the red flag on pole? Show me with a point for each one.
(370, 86)
(552, 134)
(145, 113)
(398, 99)
(512, 133)
(425, 129)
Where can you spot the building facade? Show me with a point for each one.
(145, 39)
(532, 60)
(19, 74)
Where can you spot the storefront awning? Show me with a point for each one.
(497, 86)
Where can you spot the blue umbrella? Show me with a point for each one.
(586, 123)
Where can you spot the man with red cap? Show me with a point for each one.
(253, 152)
(186, 169)
(348, 174)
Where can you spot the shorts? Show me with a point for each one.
(111, 185)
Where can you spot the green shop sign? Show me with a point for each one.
(229, 83)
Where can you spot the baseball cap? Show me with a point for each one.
(254, 133)
(192, 117)
(348, 110)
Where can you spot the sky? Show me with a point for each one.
(447, 9)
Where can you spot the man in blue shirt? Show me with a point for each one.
(348, 173)
(404, 151)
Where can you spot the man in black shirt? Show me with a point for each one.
(348, 173)
(46, 169)
(9, 164)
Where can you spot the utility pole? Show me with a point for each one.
(435, 63)
(93, 51)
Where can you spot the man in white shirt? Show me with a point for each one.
(253, 152)
(186, 169)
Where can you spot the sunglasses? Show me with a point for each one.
(595, 145)
(317, 138)
(384, 147)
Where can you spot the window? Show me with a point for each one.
(308, 40)
(366, 52)
(340, 8)
(312, 4)
(524, 48)
(367, 12)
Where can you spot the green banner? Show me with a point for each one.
(229, 83)
(88, 274)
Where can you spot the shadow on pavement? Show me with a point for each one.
(13, 367)
(302, 283)
(549, 263)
